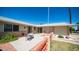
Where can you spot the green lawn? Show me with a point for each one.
(63, 46)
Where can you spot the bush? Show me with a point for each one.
(7, 37)
(60, 36)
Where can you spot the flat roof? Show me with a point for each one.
(56, 24)
(6, 19)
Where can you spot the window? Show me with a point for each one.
(15, 28)
(29, 29)
(40, 30)
(7, 27)
(24, 27)
(34, 28)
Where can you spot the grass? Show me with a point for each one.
(7, 37)
(63, 46)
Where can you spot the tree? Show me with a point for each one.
(73, 29)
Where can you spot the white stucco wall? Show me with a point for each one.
(23, 28)
(62, 30)
(48, 29)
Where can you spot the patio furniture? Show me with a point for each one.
(67, 37)
(30, 36)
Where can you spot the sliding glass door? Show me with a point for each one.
(7, 27)
(10, 27)
(15, 28)
(29, 29)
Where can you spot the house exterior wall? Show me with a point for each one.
(34, 29)
(23, 29)
(37, 30)
(61, 30)
(48, 29)
(45, 29)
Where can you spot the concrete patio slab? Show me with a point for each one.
(22, 44)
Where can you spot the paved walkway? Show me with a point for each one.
(22, 44)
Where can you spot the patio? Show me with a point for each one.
(22, 44)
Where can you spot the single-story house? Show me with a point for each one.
(22, 28)
(17, 27)
(56, 28)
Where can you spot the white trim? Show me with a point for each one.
(5, 19)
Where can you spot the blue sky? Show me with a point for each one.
(59, 14)
(27, 14)
(39, 15)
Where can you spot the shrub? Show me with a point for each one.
(60, 36)
(7, 37)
